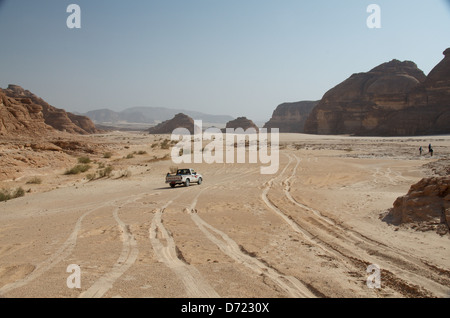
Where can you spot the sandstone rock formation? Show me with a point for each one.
(241, 122)
(25, 106)
(21, 117)
(179, 121)
(393, 99)
(291, 117)
(427, 206)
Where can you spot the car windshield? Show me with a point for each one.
(183, 171)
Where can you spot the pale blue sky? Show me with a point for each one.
(241, 58)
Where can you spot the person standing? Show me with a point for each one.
(420, 150)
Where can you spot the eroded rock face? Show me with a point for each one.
(291, 117)
(20, 99)
(241, 122)
(179, 121)
(393, 99)
(426, 206)
(21, 117)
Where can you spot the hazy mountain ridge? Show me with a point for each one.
(150, 115)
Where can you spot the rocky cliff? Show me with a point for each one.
(21, 117)
(291, 117)
(393, 99)
(23, 112)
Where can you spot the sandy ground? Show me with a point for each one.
(311, 230)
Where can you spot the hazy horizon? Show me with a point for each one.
(237, 58)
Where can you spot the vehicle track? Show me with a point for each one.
(126, 259)
(291, 285)
(193, 282)
(63, 252)
(391, 259)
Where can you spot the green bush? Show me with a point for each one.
(107, 155)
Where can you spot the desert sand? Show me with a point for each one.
(310, 230)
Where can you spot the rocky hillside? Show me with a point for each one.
(178, 121)
(25, 113)
(291, 117)
(393, 99)
(241, 122)
(21, 116)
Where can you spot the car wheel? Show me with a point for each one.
(187, 183)
(172, 185)
(200, 181)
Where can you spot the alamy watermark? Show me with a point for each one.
(74, 19)
(374, 279)
(374, 19)
(74, 279)
(231, 148)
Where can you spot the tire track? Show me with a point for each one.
(291, 285)
(193, 282)
(62, 253)
(126, 259)
(357, 240)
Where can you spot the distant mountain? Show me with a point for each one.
(150, 115)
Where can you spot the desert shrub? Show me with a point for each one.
(107, 155)
(19, 193)
(100, 173)
(165, 144)
(129, 156)
(154, 145)
(6, 195)
(34, 180)
(78, 169)
(105, 172)
(84, 160)
(142, 152)
(124, 174)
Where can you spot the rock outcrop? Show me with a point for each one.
(21, 117)
(179, 121)
(393, 99)
(425, 207)
(30, 111)
(241, 122)
(291, 117)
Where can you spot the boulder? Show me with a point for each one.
(426, 205)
